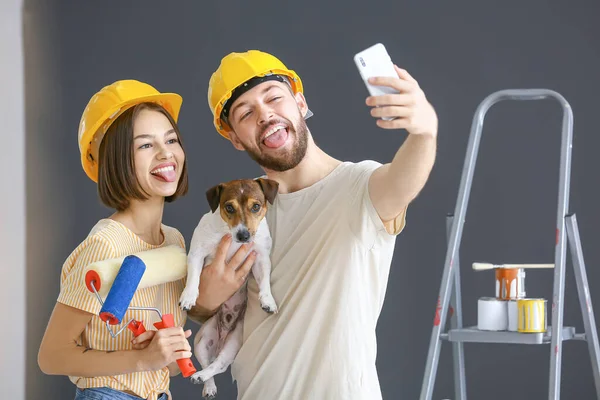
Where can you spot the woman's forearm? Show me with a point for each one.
(76, 360)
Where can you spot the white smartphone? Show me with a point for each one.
(375, 61)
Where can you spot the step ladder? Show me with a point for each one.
(566, 231)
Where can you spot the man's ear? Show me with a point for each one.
(213, 195)
(235, 141)
(269, 188)
(302, 105)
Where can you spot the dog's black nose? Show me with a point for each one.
(243, 236)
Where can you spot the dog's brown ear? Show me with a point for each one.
(213, 195)
(269, 188)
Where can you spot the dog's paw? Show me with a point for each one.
(196, 379)
(201, 377)
(267, 303)
(188, 298)
(210, 389)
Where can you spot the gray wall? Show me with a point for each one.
(459, 52)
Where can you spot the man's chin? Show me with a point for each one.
(278, 164)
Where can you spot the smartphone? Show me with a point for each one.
(375, 61)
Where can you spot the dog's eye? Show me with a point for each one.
(256, 208)
(229, 208)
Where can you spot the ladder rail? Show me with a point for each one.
(585, 301)
(458, 224)
(456, 322)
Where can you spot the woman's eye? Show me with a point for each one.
(172, 141)
(145, 146)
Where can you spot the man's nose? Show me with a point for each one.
(265, 115)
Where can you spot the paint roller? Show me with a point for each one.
(481, 266)
(163, 264)
(122, 286)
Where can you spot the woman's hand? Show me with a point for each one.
(143, 340)
(220, 280)
(162, 347)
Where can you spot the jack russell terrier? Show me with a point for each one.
(242, 205)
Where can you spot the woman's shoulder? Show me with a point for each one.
(110, 231)
(100, 243)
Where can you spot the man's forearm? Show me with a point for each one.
(395, 185)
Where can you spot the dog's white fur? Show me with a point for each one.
(219, 339)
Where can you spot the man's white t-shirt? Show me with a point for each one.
(330, 264)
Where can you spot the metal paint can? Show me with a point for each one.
(532, 315)
(513, 315)
(492, 314)
(510, 283)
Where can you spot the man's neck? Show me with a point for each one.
(144, 219)
(315, 166)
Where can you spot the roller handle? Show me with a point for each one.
(185, 364)
(137, 327)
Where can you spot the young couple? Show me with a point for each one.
(334, 225)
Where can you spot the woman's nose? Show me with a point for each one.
(165, 153)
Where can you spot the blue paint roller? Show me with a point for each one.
(123, 288)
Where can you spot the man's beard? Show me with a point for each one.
(290, 158)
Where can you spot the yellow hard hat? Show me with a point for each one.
(106, 106)
(236, 69)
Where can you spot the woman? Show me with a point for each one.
(131, 146)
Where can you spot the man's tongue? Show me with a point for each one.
(277, 139)
(167, 176)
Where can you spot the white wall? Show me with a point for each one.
(12, 203)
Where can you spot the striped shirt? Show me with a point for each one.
(110, 239)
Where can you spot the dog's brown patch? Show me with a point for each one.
(243, 201)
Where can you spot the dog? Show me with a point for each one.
(237, 207)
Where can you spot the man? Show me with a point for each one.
(333, 224)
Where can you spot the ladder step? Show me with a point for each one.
(474, 335)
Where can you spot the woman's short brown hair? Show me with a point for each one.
(117, 181)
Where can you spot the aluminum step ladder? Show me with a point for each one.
(566, 231)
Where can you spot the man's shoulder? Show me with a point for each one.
(357, 170)
(364, 165)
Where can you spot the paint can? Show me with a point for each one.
(492, 314)
(513, 315)
(532, 315)
(510, 283)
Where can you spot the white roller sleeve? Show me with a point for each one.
(480, 266)
(492, 314)
(164, 264)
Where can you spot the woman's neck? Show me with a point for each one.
(144, 218)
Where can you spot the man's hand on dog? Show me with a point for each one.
(220, 280)
(410, 108)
